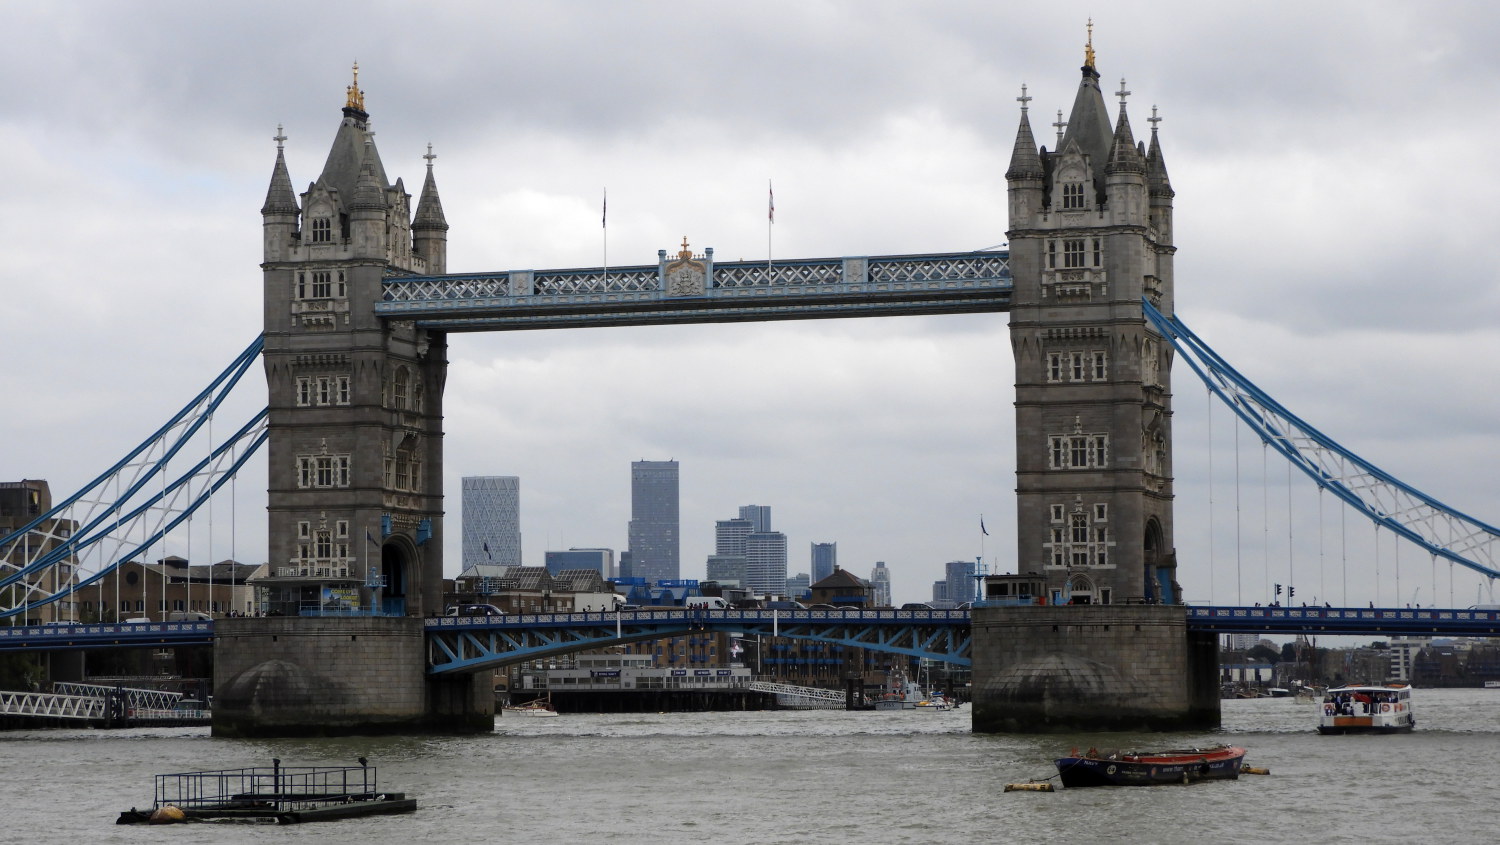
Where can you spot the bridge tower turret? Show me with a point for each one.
(355, 499)
(1090, 235)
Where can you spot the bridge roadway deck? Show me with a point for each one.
(471, 643)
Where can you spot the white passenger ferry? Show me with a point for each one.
(1366, 709)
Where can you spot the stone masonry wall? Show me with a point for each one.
(287, 676)
(1088, 667)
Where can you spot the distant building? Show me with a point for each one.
(21, 502)
(1241, 642)
(492, 520)
(727, 569)
(825, 559)
(1403, 652)
(962, 585)
(841, 588)
(759, 517)
(655, 538)
(880, 585)
(531, 589)
(939, 593)
(765, 562)
(797, 586)
(599, 560)
(157, 591)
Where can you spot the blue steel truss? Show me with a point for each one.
(468, 644)
(963, 282)
(1384, 499)
(473, 644)
(131, 506)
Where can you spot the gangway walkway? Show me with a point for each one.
(46, 705)
(810, 696)
(146, 699)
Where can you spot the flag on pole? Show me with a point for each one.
(981, 526)
(487, 551)
(771, 202)
(604, 214)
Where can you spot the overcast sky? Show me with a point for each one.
(1335, 210)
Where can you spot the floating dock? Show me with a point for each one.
(276, 794)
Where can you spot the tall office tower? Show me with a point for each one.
(765, 562)
(599, 560)
(961, 581)
(825, 558)
(797, 586)
(655, 541)
(729, 536)
(880, 585)
(492, 520)
(759, 516)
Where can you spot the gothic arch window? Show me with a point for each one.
(322, 230)
(1072, 195)
(401, 389)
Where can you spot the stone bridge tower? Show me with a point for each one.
(1090, 236)
(356, 475)
(1106, 645)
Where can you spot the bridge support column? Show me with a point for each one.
(328, 676)
(1043, 669)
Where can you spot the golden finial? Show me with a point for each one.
(686, 253)
(1088, 49)
(356, 97)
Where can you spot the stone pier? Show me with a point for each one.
(1043, 669)
(290, 676)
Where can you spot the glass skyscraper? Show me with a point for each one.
(825, 556)
(492, 520)
(655, 536)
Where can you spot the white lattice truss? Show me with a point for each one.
(1390, 503)
(131, 506)
(811, 693)
(153, 699)
(50, 706)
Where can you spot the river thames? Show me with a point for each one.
(795, 777)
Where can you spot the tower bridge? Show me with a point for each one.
(358, 306)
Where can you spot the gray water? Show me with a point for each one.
(773, 777)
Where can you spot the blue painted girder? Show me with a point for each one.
(468, 644)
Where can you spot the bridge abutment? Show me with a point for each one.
(1044, 669)
(328, 676)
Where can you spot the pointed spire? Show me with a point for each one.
(280, 199)
(1123, 155)
(429, 207)
(368, 191)
(1088, 54)
(354, 101)
(1156, 166)
(1024, 161)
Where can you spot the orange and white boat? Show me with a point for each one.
(1375, 708)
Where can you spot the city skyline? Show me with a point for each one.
(891, 435)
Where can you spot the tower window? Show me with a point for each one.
(322, 230)
(321, 286)
(1073, 253)
(1077, 451)
(1098, 252)
(1072, 195)
(1051, 255)
(1101, 370)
